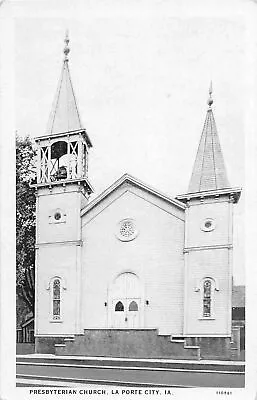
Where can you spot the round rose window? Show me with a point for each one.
(208, 225)
(126, 230)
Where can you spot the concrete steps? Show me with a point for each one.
(131, 343)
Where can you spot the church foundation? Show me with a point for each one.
(46, 344)
(212, 348)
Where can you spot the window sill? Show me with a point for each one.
(55, 321)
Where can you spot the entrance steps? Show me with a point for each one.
(130, 343)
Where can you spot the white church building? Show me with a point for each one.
(133, 272)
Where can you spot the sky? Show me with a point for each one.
(141, 82)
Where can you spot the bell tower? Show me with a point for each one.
(62, 190)
(208, 250)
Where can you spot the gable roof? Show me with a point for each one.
(209, 172)
(126, 178)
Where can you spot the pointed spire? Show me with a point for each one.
(210, 100)
(66, 49)
(64, 116)
(209, 171)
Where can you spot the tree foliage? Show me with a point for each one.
(25, 221)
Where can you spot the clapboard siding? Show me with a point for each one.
(156, 256)
(60, 261)
(209, 254)
(208, 263)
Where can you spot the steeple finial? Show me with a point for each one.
(209, 172)
(66, 49)
(210, 100)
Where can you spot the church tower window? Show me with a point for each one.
(56, 289)
(208, 225)
(207, 298)
(207, 288)
(56, 286)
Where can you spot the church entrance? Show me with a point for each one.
(126, 302)
(126, 313)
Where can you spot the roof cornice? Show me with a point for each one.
(234, 193)
(57, 135)
(130, 179)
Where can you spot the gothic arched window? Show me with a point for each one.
(207, 288)
(56, 285)
(133, 306)
(207, 298)
(56, 299)
(119, 306)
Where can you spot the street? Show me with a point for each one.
(77, 373)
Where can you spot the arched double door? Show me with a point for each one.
(126, 301)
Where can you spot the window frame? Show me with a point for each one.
(207, 298)
(52, 299)
(214, 288)
(56, 299)
(119, 309)
(133, 302)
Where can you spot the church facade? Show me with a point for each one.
(133, 272)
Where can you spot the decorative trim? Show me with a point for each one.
(54, 335)
(82, 180)
(128, 189)
(215, 246)
(67, 134)
(130, 179)
(61, 243)
(233, 192)
(49, 282)
(199, 283)
(201, 335)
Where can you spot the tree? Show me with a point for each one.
(25, 221)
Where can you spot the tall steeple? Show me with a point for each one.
(209, 176)
(209, 172)
(208, 245)
(63, 150)
(64, 116)
(62, 190)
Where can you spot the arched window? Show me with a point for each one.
(133, 306)
(207, 288)
(119, 306)
(207, 298)
(56, 285)
(56, 299)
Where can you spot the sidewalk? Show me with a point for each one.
(148, 360)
